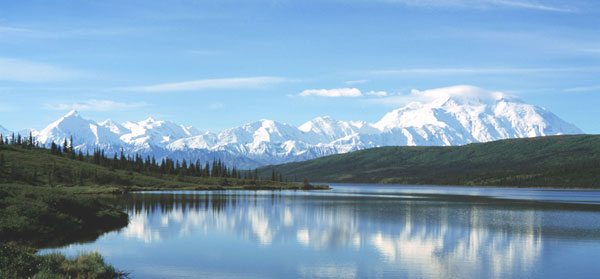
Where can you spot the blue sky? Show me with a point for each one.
(218, 64)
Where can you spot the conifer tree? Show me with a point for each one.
(71, 149)
(53, 148)
(2, 163)
(30, 140)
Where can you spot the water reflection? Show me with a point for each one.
(300, 235)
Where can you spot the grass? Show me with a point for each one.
(36, 216)
(555, 161)
(18, 261)
(40, 167)
(40, 216)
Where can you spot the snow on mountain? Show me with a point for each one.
(151, 133)
(86, 134)
(202, 141)
(465, 114)
(328, 129)
(446, 116)
(114, 127)
(4, 131)
(261, 131)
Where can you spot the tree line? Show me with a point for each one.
(147, 165)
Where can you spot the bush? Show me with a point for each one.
(17, 261)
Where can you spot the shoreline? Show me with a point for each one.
(134, 189)
(468, 186)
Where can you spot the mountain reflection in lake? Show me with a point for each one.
(350, 232)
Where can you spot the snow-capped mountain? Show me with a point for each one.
(4, 131)
(86, 134)
(446, 116)
(145, 135)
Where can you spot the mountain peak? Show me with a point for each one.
(113, 126)
(72, 113)
(150, 119)
(458, 95)
(4, 131)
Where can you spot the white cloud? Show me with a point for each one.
(335, 92)
(529, 5)
(472, 71)
(28, 71)
(539, 5)
(426, 96)
(95, 105)
(354, 82)
(10, 29)
(377, 93)
(583, 89)
(220, 83)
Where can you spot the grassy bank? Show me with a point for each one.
(18, 261)
(34, 217)
(41, 217)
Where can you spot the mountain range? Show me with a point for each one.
(454, 116)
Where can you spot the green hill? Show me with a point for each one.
(20, 164)
(554, 161)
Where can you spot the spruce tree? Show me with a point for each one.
(2, 162)
(30, 140)
(71, 149)
(65, 146)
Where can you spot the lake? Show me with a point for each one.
(357, 231)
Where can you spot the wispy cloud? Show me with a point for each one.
(530, 5)
(583, 89)
(95, 105)
(220, 83)
(377, 93)
(44, 32)
(515, 4)
(12, 29)
(342, 92)
(476, 70)
(355, 82)
(332, 93)
(426, 96)
(28, 71)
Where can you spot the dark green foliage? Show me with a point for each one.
(56, 171)
(555, 161)
(43, 216)
(53, 167)
(18, 261)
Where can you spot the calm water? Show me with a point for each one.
(358, 231)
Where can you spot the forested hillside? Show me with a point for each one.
(557, 161)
